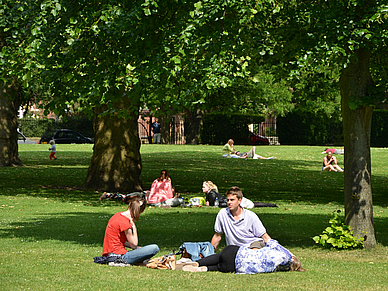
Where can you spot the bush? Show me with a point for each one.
(338, 235)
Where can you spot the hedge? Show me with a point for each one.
(218, 128)
(33, 127)
(308, 128)
(379, 130)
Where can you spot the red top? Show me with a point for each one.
(160, 191)
(115, 238)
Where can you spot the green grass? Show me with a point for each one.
(50, 229)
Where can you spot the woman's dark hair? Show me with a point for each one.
(296, 265)
(164, 174)
(136, 206)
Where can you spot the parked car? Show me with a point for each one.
(257, 139)
(64, 136)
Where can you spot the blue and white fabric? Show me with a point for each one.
(265, 260)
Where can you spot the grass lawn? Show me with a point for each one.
(50, 231)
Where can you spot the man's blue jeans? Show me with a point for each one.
(141, 254)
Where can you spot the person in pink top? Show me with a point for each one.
(162, 193)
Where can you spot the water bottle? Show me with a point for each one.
(216, 203)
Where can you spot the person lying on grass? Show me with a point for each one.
(228, 151)
(121, 232)
(243, 260)
(212, 194)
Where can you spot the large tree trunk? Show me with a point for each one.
(9, 104)
(165, 128)
(193, 124)
(116, 161)
(355, 81)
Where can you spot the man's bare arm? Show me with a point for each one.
(216, 240)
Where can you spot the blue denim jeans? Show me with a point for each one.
(141, 254)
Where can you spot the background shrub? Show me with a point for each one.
(33, 127)
(218, 128)
(309, 128)
(379, 131)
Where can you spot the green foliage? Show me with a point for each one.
(218, 128)
(302, 127)
(338, 235)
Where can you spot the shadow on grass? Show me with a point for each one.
(168, 229)
(299, 180)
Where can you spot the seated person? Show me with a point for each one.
(121, 233)
(228, 150)
(330, 163)
(243, 260)
(162, 193)
(241, 226)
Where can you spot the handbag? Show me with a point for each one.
(166, 262)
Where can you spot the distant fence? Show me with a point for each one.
(176, 135)
(177, 130)
(266, 128)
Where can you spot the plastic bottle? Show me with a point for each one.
(216, 202)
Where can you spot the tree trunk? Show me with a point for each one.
(9, 104)
(165, 126)
(116, 161)
(193, 124)
(355, 81)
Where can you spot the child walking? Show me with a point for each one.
(53, 150)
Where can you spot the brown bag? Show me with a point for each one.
(167, 262)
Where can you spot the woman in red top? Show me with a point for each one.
(121, 232)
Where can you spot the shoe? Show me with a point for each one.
(183, 261)
(103, 196)
(165, 206)
(194, 269)
(113, 264)
(270, 158)
(180, 267)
